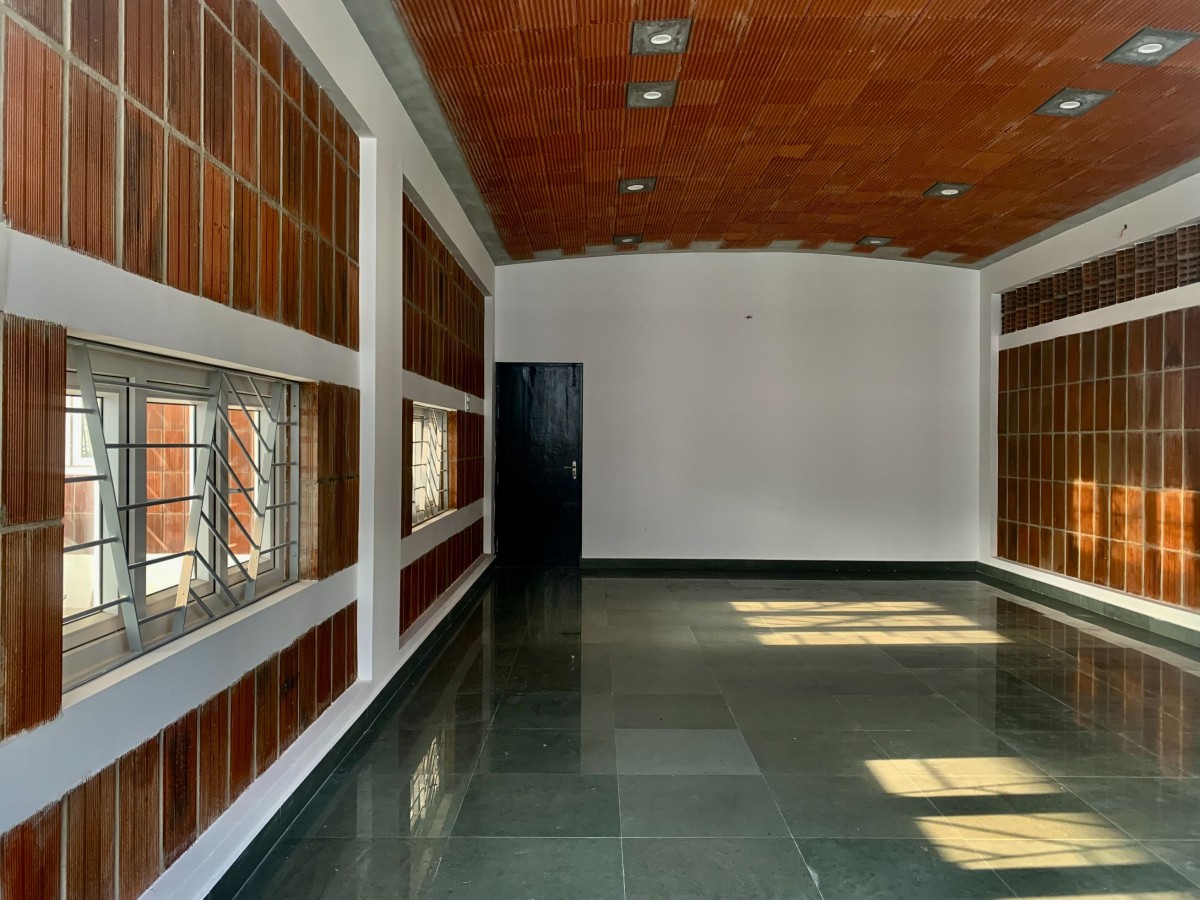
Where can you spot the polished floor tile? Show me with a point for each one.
(716, 869)
(539, 806)
(885, 869)
(706, 737)
(667, 751)
(698, 806)
(528, 869)
(671, 711)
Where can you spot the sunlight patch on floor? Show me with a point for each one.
(976, 776)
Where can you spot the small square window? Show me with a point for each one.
(430, 462)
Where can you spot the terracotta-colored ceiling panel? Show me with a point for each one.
(805, 121)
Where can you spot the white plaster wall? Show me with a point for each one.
(1153, 214)
(834, 424)
(120, 710)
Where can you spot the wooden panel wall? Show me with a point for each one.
(123, 825)
(329, 457)
(32, 429)
(443, 310)
(1099, 457)
(425, 579)
(272, 143)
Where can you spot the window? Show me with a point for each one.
(431, 462)
(181, 500)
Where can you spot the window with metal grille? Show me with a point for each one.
(182, 496)
(431, 462)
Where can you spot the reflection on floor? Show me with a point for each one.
(652, 738)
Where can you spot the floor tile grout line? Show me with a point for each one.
(778, 809)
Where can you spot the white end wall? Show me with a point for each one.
(835, 424)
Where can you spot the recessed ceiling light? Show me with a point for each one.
(627, 239)
(1073, 102)
(947, 189)
(636, 185)
(660, 36)
(874, 241)
(1150, 46)
(644, 94)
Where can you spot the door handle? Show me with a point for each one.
(574, 467)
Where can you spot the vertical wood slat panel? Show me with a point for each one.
(266, 705)
(214, 774)
(245, 116)
(340, 669)
(31, 626)
(33, 135)
(183, 217)
(245, 249)
(179, 786)
(140, 832)
(33, 420)
(289, 696)
(308, 678)
(291, 165)
(92, 149)
(218, 90)
(31, 858)
(94, 28)
(184, 72)
(91, 811)
(324, 665)
(241, 735)
(289, 272)
(352, 644)
(308, 282)
(143, 219)
(145, 48)
(215, 265)
(44, 14)
(270, 131)
(268, 261)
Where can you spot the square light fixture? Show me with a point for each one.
(872, 240)
(660, 36)
(636, 185)
(626, 239)
(947, 190)
(1073, 102)
(649, 94)
(1150, 46)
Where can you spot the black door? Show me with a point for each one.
(539, 464)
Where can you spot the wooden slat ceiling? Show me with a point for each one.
(805, 120)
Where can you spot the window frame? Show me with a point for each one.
(99, 639)
(446, 491)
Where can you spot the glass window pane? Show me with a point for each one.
(82, 572)
(170, 472)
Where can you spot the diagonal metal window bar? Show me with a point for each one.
(182, 500)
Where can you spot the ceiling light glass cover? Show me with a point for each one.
(1073, 102)
(649, 94)
(636, 185)
(627, 239)
(1151, 46)
(874, 241)
(947, 190)
(654, 36)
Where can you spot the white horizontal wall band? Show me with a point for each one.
(97, 300)
(201, 867)
(106, 718)
(425, 537)
(425, 390)
(1162, 612)
(1130, 311)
